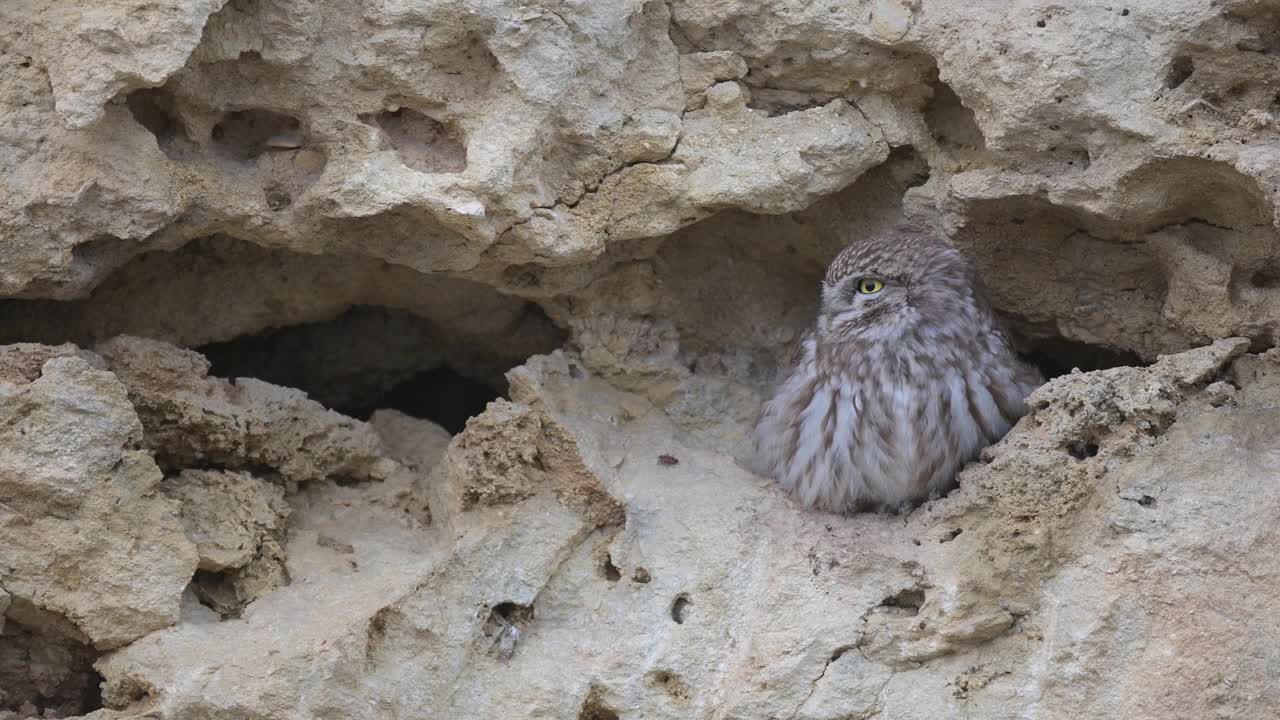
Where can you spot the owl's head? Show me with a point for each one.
(907, 280)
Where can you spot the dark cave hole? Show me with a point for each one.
(514, 613)
(1083, 450)
(440, 395)
(49, 674)
(1266, 278)
(153, 109)
(246, 134)
(91, 696)
(371, 358)
(680, 608)
(1057, 356)
(1180, 69)
(216, 591)
(910, 599)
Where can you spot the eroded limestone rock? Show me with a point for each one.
(86, 537)
(407, 610)
(717, 596)
(237, 523)
(192, 420)
(667, 181)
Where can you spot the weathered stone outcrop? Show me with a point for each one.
(222, 221)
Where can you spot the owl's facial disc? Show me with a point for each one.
(869, 306)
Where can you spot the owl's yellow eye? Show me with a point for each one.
(869, 286)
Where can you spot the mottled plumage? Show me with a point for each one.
(906, 376)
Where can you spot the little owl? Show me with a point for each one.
(906, 377)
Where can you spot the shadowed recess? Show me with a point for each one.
(1056, 356)
(370, 358)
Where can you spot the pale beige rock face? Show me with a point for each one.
(1073, 543)
(630, 202)
(85, 537)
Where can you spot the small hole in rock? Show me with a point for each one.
(514, 613)
(153, 109)
(910, 599)
(1179, 70)
(950, 122)
(1266, 278)
(951, 535)
(245, 134)
(505, 625)
(1083, 450)
(44, 672)
(594, 707)
(1040, 23)
(641, 576)
(1057, 356)
(669, 682)
(1146, 501)
(278, 199)
(422, 142)
(680, 608)
(609, 570)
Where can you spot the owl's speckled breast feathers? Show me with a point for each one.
(904, 378)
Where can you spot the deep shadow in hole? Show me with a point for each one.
(440, 395)
(1058, 356)
(91, 696)
(370, 358)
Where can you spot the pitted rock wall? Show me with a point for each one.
(628, 205)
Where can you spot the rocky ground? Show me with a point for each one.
(260, 261)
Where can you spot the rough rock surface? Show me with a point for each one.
(194, 420)
(630, 203)
(237, 523)
(1069, 545)
(85, 534)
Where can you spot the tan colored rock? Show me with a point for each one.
(237, 523)
(387, 591)
(510, 453)
(1127, 204)
(227, 515)
(92, 56)
(192, 419)
(718, 597)
(668, 181)
(85, 534)
(419, 444)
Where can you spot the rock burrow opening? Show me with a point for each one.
(372, 358)
(1057, 356)
(246, 134)
(376, 336)
(45, 674)
(155, 109)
